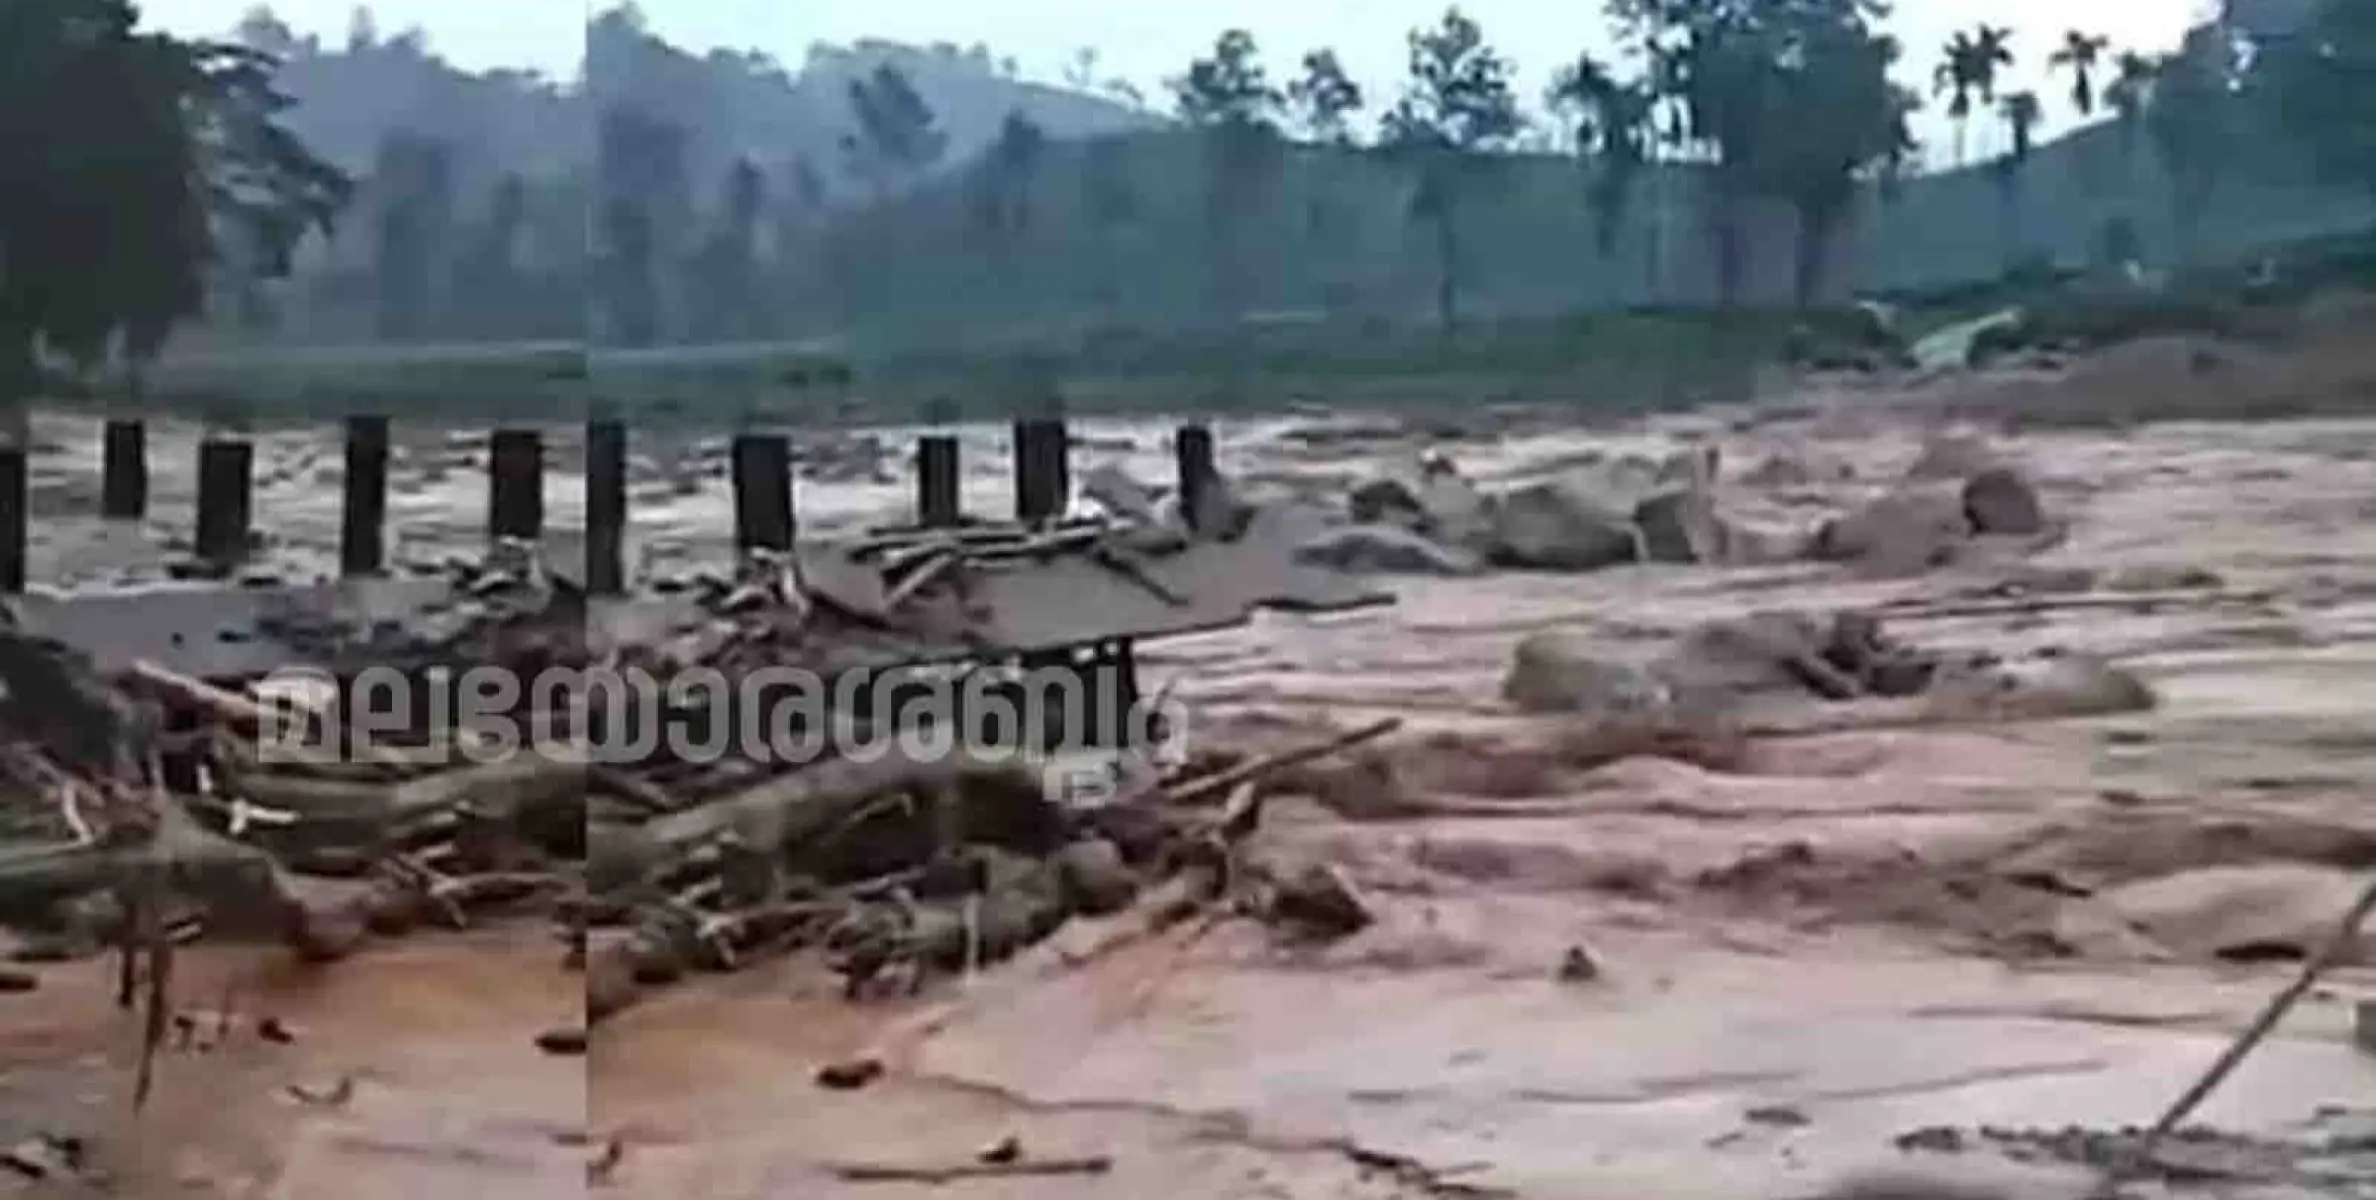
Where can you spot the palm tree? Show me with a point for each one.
(1612, 125)
(1968, 67)
(1955, 75)
(2127, 94)
(2080, 54)
(2022, 112)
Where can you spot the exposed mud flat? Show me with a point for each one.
(1798, 958)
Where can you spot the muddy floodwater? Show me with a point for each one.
(1798, 966)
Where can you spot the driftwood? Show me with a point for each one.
(953, 1172)
(2327, 957)
(2034, 605)
(993, 538)
(1223, 782)
(511, 787)
(933, 567)
(787, 810)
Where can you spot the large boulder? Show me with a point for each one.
(1902, 533)
(1387, 500)
(1114, 489)
(1762, 653)
(1434, 500)
(1560, 525)
(1999, 500)
(1685, 527)
(1797, 469)
(1384, 549)
(1563, 671)
(1680, 527)
(1954, 456)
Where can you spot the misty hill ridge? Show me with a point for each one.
(930, 273)
(349, 97)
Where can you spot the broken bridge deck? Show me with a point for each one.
(227, 632)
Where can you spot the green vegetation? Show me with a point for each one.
(199, 186)
(1737, 171)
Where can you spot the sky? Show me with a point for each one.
(1151, 40)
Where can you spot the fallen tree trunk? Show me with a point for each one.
(782, 813)
(241, 888)
(951, 1173)
(531, 788)
(1221, 783)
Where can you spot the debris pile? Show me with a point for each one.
(938, 857)
(910, 865)
(1957, 501)
(1727, 666)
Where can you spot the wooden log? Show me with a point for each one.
(606, 507)
(123, 470)
(787, 810)
(226, 500)
(953, 1172)
(240, 880)
(363, 515)
(514, 787)
(2329, 955)
(515, 484)
(1222, 783)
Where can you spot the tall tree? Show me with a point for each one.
(897, 135)
(2190, 116)
(2324, 82)
(1792, 101)
(2021, 112)
(1968, 70)
(724, 272)
(1228, 96)
(1110, 196)
(1323, 100)
(489, 278)
(197, 176)
(1001, 186)
(413, 182)
(797, 221)
(2082, 54)
(1456, 114)
(2131, 88)
(640, 181)
(1613, 128)
(897, 138)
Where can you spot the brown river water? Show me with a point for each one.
(1750, 1037)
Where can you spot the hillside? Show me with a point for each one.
(1530, 247)
(747, 105)
(348, 97)
(1110, 231)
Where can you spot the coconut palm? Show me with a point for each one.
(2021, 112)
(2080, 54)
(1613, 126)
(1968, 68)
(2131, 88)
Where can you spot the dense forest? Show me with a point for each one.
(1737, 152)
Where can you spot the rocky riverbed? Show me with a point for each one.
(1921, 946)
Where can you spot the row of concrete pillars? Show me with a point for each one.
(760, 467)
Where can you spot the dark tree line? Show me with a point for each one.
(178, 180)
(201, 195)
